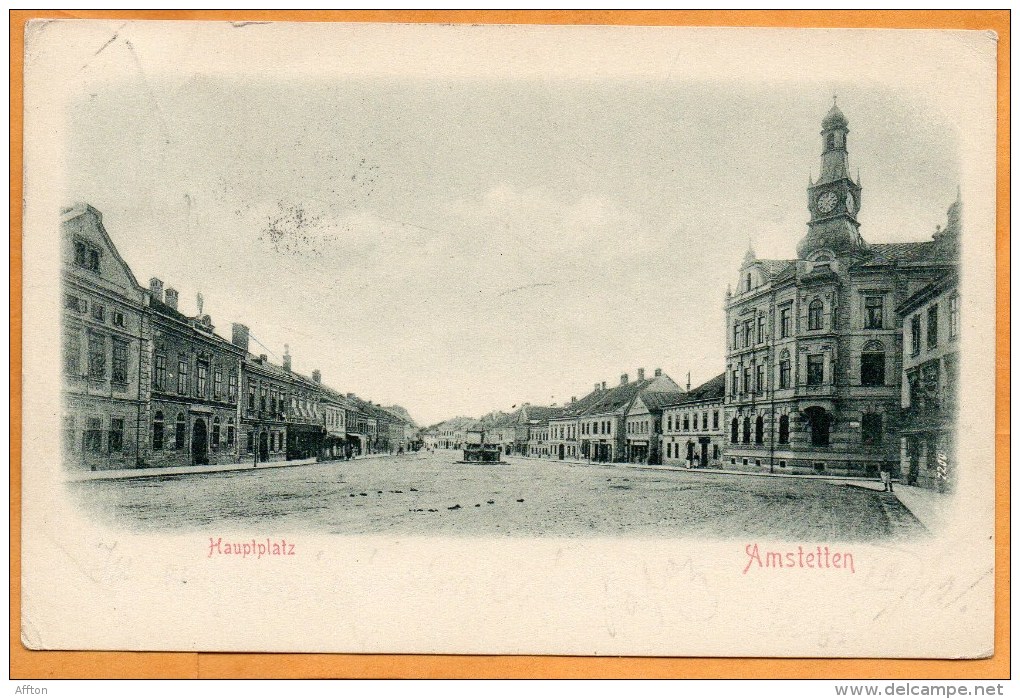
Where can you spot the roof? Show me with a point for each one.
(541, 413)
(834, 118)
(656, 400)
(929, 291)
(713, 389)
(903, 254)
(776, 267)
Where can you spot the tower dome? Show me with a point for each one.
(834, 119)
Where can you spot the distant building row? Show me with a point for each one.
(147, 385)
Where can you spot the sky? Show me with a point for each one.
(460, 220)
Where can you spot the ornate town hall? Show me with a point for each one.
(814, 347)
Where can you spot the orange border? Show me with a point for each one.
(25, 664)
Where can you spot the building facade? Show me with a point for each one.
(931, 338)
(105, 345)
(813, 343)
(693, 429)
(194, 386)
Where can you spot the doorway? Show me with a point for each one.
(263, 446)
(199, 443)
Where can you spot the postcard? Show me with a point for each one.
(571, 340)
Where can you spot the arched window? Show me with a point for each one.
(873, 364)
(747, 430)
(735, 431)
(748, 282)
(216, 433)
(230, 432)
(759, 430)
(157, 430)
(181, 429)
(830, 140)
(784, 429)
(815, 309)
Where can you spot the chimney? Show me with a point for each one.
(658, 372)
(156, 288)
(263, 358)
(596, 386)
(573, 399)
(688, 382)
(240, 336)
(350, 395)
(171, 297)
(286, 357)
(603, 385)
(317, 376)
(641, 374)
(624, 379)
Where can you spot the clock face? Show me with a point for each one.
(851, 205)
(827, 202)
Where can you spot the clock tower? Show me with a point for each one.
(835, 198)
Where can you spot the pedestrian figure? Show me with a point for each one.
(885, 472)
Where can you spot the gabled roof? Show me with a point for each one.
(541, 413)
(656, 400)
(69, 213)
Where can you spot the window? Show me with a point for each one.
(873, 365)
(747, 333)
(72, 355)
(116, 438)
(232, 387)
(735, 383)
(784, 322)
(218, 383)
(182, 375)
(97, 356)
(262, 399)
(203, 379)
(734, 431)
(159, 373)
(120, 361)
(784, 429)
(747, 430)
(669, 423)
(747, 379)
(815, 370)
(695, 421)
(69, 433)
(819, 421)
(759, 379)
(784, 370)
(748, 280)
(759, 430)
(98, 312)
(815, 315)
(715, 420)
(251, 397)
(118, 319)
(954, 317)
(873, 312)
(933, 326)
(871, 429)
(704, 421)
(216, 433)
(180, 432)
(736, 335)
(86, 255)
(687, 422)
(761, 328)
(157, 430)
(94, 434)
(73, 303)
(915, 335)
(715, 451)
(830, 141)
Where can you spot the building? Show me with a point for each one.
(105, 349)
(931, 359)
(693, 429)
(813, 342)
(195, 375)
(644, 426)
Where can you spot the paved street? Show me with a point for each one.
(428, 494)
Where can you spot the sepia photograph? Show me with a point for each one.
(504, 339)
